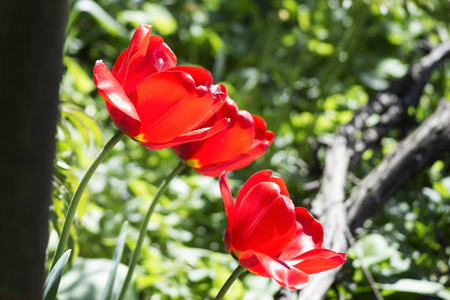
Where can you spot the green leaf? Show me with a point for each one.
(81, 121)
(65, 131)
(419, 287)
(151, 13)
(372, 248)
(82, 81)
(321, 48)
(107, 292)
(146, 191)
(87, 279)
(373, 81)
(391, 67)
(52, 282)
(101, 16)
(304, 17)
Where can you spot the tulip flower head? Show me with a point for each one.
(155, 102)
(272, 238)
(235, 147)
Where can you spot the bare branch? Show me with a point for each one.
(392, 104)
(418, 151)
(329, 206)
(365, 269)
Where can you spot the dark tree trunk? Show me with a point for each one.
(31, 43)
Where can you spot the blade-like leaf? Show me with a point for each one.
(419, 287)
(52, 282)
(107, 292)
(101, 16)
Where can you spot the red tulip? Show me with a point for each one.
(153, 101)
(235, 147)
(272, 238)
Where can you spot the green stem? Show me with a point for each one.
(229, 282)
(143, 229)
(65, 232)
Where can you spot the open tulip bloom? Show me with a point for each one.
(155, 102)
(235, 147)
(271, 237)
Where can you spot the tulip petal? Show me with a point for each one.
(201, 76)
(169, 106)
(256, 178)
(235, 147)
(138, 46)
(120, 107)
(203, 85)
(280, 182)
(261, 126)
(229, 207)
(264, 221)
(239, 162)
(162, 58)
(158, 58)
(119, 62)
(229, 143)
(250, 261)
(309, 235)
(261, 133)
(227, 197)
(226, 241)
(219, 95)
(191, 136)
(318, 260)
(139, 42)
(140, 37)
(285, 275)
(187, 151)
(204, 132)
(146, 55)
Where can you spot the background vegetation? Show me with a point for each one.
(305, 66)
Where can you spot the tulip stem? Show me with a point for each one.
(236, 273)
(143, 229)
(68, 221)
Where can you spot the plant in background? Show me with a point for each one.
(243, 141)
(271, 237)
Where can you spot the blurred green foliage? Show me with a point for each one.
(305, 66)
